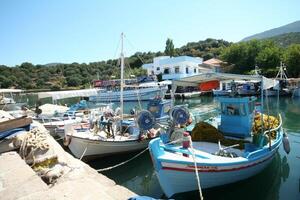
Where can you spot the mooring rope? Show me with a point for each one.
(122, 163)
(196, 168)
(83, 153)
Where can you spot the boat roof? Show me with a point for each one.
(211, 76)
(55, 95)
(10, 90)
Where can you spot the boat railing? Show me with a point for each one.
(181, 151)
(274, 129)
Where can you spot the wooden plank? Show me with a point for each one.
(15, 123)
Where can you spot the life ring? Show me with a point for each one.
(67, 140)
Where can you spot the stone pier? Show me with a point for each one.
(19, 181)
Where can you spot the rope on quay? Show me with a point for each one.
(122, 163)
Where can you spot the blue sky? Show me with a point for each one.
(46, 31)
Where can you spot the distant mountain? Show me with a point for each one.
(284, 40)
(289, 28)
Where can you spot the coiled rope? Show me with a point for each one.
(34, 140)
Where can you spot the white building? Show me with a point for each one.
(173, 68)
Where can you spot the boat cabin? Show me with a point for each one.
(159, 107)
(237, 116)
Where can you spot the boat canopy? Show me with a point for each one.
(204, 77)
(68, 94)
(10, 90)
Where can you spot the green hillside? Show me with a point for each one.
(289, 28)
(286, 39)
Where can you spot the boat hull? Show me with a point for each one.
(296, 92)
(141, 94)
(221, 92)
(176, 180)
(98, 148)
(178, 177)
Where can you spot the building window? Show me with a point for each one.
(167, 71)
(195, 70)
(157, 68)
(177, 70)
(186, 70)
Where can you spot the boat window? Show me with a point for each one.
(186, 70)
(242, 109)
(177, 70)
(167, 109)
(153, 109)
(157, 69)
(251, 107)
(233, 109)
(166, 71)
(195, 70)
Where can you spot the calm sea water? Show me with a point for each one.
(280, 180)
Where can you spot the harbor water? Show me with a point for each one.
(279, 181)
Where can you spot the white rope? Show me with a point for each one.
(191, 149)
(83, 153)
(122, 163)
(61, 138)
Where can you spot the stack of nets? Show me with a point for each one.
(205, 132)
(270, 122)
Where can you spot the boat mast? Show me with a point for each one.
(281, 72)
(122, 77)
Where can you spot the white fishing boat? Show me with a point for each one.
(221, 150)
(54, 117)
(8, 103)
(115, 132)
(131, 94)
(224, 89)
(281, 88)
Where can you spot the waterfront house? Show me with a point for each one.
(174, 68)
(215, 64)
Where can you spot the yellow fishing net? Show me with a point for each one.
(205, 132)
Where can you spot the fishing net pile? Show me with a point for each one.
(205, 132)
(269, 122)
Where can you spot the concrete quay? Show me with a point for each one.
(79, 181)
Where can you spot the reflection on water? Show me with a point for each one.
(138, 175)
(264, 186)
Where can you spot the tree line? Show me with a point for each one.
(240, 58)
(265, 54)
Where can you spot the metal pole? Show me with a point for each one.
(262, 104)
(122, 80)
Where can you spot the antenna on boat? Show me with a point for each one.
(122, 79)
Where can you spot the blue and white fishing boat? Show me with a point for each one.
(183, 163)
